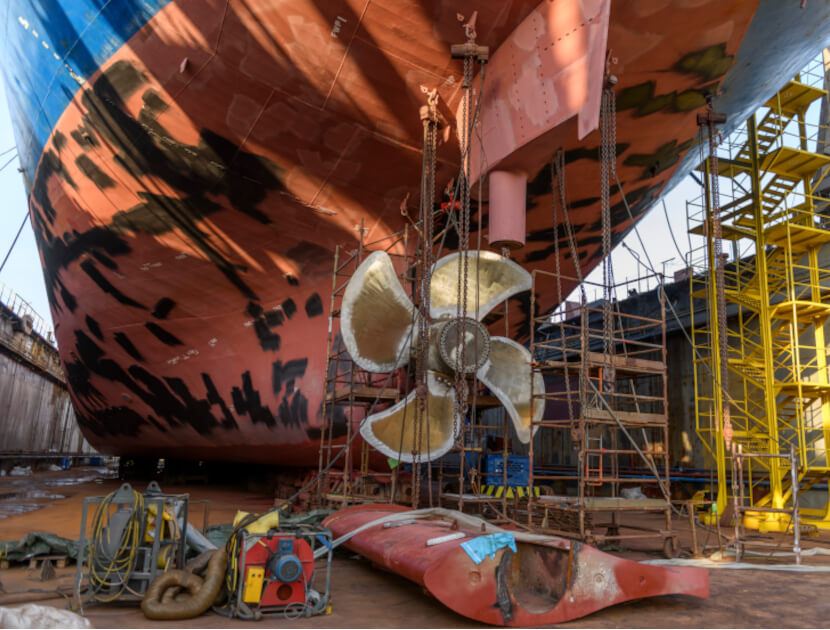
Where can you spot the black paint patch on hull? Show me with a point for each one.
(314, 306)
(214, 398)
(162, 335)
(162, 308)
(122, 340)
(247, 400)
(289, 308)
(94, 327)
(287, 374)
(105, 285)
(93, 172)
(267, 339)
(293, 411)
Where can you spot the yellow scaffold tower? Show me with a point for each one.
(760, 307)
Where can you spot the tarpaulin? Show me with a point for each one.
(487, 546)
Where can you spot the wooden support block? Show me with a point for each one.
(59, 561)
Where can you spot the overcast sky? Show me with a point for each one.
(22, 271)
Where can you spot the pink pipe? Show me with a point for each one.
(508, 202)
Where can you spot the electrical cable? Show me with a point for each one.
(671, 232)
(118, 567)
(661, 283)
(14, 242)
(704, 563)
(11, 159)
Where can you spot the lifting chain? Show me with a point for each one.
(429, 117)
(461, 386)
(608, 160)
(709, 120)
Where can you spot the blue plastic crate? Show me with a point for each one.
(518, 470)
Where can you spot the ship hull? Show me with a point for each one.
(194, 163)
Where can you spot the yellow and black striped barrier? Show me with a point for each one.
(520, 491)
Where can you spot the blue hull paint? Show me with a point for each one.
(781, 40)
(49, 48)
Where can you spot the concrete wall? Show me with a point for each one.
(36, 415)
(685, 447)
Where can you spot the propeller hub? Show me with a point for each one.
(476, 344)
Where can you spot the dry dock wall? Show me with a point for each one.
(36, 414)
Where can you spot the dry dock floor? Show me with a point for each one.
(366, 597)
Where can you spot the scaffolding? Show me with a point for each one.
(761, 381)
(474, 475)
(357, 475)
(611, 409)
(740, 505)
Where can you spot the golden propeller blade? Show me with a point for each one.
(394, 431)
(377, 317)
(499, 278)
(507, 373)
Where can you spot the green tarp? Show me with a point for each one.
(38, 544)
(47, 544)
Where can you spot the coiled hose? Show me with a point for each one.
(180, 594)
(110, 570)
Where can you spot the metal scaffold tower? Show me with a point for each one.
(761, 380)
(605, 396)
(351, 393)
(606, 399)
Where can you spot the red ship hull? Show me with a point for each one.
(188, 201)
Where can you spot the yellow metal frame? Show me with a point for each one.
(778, 301)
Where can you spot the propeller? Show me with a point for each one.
(378, 326)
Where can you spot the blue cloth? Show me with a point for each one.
(484, 546)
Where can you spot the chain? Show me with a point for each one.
(461, 387)
(429, 116)
(719, 262)
(607, 158)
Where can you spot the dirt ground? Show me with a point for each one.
(363, 596)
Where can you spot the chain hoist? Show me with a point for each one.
(709, 120)
(608, 161)
(429, 118)
(463, 251)
(470, 52)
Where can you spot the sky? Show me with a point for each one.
(658, 230)
(22, 272)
